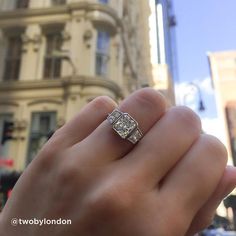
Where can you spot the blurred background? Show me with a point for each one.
(58, 55)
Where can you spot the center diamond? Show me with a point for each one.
(125, 125)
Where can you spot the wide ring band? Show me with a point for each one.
(125, 126)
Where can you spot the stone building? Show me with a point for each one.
(223, 71)
(57, 55)
(163, 53)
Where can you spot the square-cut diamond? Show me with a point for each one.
(135, 136)
(114, 116)
(124, 125)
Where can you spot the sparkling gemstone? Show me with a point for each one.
(111, 119)
(124, 125)
(114, 116)
(135, 136)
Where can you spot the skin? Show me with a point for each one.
(169, 184)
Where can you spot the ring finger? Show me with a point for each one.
(145, 105)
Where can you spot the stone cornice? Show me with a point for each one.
(8, 103)
(45, 100)
(83, 81)
(25, 16)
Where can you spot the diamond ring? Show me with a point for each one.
(125, 126)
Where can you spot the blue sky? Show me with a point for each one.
(203, 26)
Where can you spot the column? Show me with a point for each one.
(30, 56)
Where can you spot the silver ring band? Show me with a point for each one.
(125, 126)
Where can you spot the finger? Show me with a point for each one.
(196, 176)
(162, 146)
(205, 215)
(146, 106)
(88, 119)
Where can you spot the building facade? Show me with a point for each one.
(166, 22)
(223, 71)
(164, 58)
(57, 55)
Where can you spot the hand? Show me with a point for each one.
(169, 184)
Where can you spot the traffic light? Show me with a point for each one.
(7, 182)
(8, 128)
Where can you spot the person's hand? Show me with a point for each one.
(169, 184)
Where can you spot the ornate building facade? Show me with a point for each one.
(57, 55)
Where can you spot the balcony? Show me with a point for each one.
(21, 13)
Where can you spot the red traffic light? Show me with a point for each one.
(8, 128)
(6, 162)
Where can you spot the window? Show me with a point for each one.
(58, 2)
(4, 149)
(52, 63)
(103, 1)
(43, 124)
(20, 4)
(13, 58)
(102, 52)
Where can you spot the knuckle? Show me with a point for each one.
(215, 147)
(187, 117)
(47, 155)
(109, 201)
(68, 173)
(104, 102)
(57, 133)
(50, 148)
(150, 97)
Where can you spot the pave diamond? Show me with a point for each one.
(114, 116)
(125, 125)
(135, 136)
